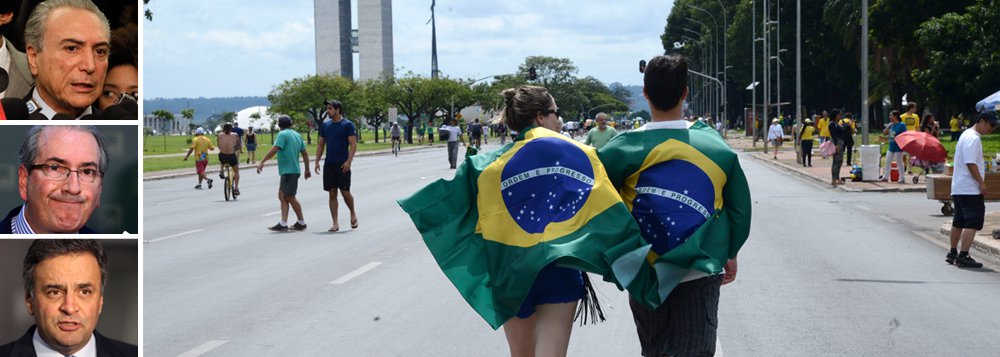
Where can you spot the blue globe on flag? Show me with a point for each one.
(673, 198)
(547, 181)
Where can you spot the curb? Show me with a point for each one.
(786, 167)
(976, 243)
(155, 177)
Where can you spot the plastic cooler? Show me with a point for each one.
(871, 156)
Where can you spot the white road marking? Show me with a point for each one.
(355, 273)
(275, 213)
(888, 219)
(173, 236)
(863, 208)
(718, 347)
(203, 349)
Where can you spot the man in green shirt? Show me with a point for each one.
(602, 134)
(288, 146)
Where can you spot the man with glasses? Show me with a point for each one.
(602, 134)
(59, 178)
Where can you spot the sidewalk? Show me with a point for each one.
(820, 171)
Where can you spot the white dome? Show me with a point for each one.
(245, 121)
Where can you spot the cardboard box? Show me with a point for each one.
(939, 187)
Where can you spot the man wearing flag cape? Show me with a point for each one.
(686, 190)
(515, 226)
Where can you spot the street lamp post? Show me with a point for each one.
(715, 66)
(864, 73)
(753, 81)
(725, 62)
(722, 87)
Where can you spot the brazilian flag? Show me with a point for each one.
(509, 213)
(686, 190)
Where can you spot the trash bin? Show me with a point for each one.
(871, 157)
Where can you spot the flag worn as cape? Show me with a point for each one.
(509, 213)
(686, 190)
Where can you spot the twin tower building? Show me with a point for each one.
(337, 41)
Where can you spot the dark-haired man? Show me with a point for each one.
(64, 282)
(686, 190)
(288, 146)
(16, 64)
(228, 143)
(968, 186)
(340, 140)
(60, 177)
(67, 43)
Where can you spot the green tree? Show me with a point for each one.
(558, 75)
(451, 96)
(373, 104)
(306, 95)
(166, 116)
(189, 115)
(412, 95)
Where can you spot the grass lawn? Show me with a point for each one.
(154, 145)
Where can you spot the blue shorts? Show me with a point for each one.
(553, 285)
(251, 147)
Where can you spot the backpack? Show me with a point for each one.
(443, 133)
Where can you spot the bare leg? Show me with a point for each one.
(349, 200)
(968, 235)
(333, 208)
(553, 328)
(284, 206)
(521, 336)
(236, 177)
(956, 236)
(297, 208)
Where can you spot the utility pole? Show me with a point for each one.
(767, 71)
(434, 45)
(798, 74)
(725, 64)
(864, 72)
(753, 82)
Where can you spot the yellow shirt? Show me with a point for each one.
(824, 127)
(954, 124)
(911, 120)
(201, 145)
(807, 132)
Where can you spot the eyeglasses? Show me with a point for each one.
(118, 97)
(550, 111)
(60, 172)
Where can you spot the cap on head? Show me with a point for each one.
(775, 120)
(809, 121)
(199, 131)
(990, 117)
(284, 121)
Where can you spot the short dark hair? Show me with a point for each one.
(894, 113)
(227, 127)
(665, 81)
(42, 249)
(911, 105)
(336, 104)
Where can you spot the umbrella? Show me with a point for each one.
(991, 103)
(922, 146)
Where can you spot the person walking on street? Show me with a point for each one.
(340, 140)
(642, 167)
(893, 153)
(601, 134)
(824, 128)
(837, 134)
(806, 142)
(251, 142)
(288, 146)
(454, 137)
(968, 186)
(475, 133)
(775, 134)
(200, 145)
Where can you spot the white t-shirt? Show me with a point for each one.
(453, 132)
(968, 150)
(775, 132)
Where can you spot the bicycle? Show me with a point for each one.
(395, 146)
(228, 190)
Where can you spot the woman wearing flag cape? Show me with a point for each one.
(515, 226)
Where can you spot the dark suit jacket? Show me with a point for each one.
(5, 225)
(20, 77)
(106, 347)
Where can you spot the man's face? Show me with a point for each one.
(332, 112)
(63, 205)
(67, 300)
(121, 79)
(69, 72)
(602, 122)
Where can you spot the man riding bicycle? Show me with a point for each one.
(395, 133)
(228, 143)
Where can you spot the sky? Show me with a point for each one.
(226, 48)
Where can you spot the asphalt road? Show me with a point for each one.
(824, 273)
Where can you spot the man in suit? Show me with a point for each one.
(64, 281)
(16, 63)
(59, 178)
(67, 43)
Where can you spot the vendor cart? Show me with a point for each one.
(939, 188)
